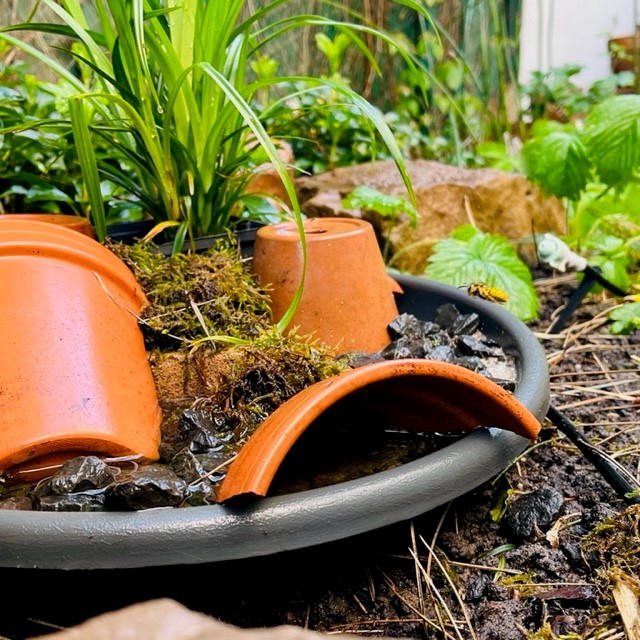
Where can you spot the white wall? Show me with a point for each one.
(558, 32)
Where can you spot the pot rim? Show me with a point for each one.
(198, 535)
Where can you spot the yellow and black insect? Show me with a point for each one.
(486, 292)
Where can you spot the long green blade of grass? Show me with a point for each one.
(84, 146)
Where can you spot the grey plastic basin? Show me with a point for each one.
(195, 535)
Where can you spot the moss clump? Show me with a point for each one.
(238, 387)
(615, 543)
(213, 347)
(196, 296)
(613, 549)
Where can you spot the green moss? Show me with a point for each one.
(260, 377)
(615, 543)
(612, 549)
(238, 367)
(196, 296)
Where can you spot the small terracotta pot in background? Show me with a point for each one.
(74, 374)
(267, 182)
(75, 223)
(624, 55)
(420, 396)
(348, 300)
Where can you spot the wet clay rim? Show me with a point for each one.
(449, 394)
(72, 222)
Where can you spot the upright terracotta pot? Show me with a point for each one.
(74, 374)
(348, 298)
(75, 223)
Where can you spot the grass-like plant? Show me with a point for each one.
(167, 86)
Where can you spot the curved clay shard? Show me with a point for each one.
(417, 395)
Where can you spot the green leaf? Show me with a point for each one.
(371, 199)
(451, 72)
(500, 505)
(489, 259)
(87, 158)
(610, 254)
(612, 134)
(625, 319)
(558, 162)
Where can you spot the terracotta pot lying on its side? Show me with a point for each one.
(74, 374)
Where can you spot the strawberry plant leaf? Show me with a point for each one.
(625, 318)
(486, 258)
(558, 162)
(612, 138)
(370, 199)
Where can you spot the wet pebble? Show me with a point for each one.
(483, 587)
(148, 487)
(533, 512)
(80, 474)
(453, 337)
(71, 502)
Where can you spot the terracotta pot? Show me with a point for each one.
(266, 181)
(74, 374)
(416, 395)
(75, 223)
(630, 45)
(348, 298)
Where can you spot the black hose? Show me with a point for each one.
(606, 468)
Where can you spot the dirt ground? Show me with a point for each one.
(475, 568)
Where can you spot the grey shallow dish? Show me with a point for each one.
(196, 535)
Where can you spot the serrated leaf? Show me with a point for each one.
(489, 259)
(558, 162)
(625, 318)
(611, 256)
(612, 138)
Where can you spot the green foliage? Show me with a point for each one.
(609, 253)
(168, 86)
(612, 138)
(601, 210)
(625, 319)
(326, 131)
(500, 505)
(607, 148)
(471, 256)
(498, 155)
(558, 161)
(595, 164)
(553, 94)
(36, 169)
(605, 228)
(387, 206)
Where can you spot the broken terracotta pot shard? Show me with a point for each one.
(416, 395)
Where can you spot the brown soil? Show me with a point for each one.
(482, 581)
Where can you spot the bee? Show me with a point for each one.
(486, 292)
